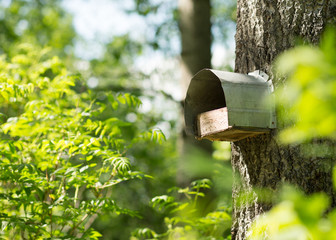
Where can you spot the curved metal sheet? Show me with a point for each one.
(243, 95)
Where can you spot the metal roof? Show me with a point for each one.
(243, 95)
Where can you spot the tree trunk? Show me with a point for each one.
(266, 28)
(195, 29)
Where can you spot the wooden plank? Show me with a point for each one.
(233, 134)
(213, 125)
(213, 121)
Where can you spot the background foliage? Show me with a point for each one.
(43, 23)
(85, 161)
(81, 153)
(310, 93)
(61, 157)
(307, 107)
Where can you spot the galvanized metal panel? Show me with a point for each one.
(205, 93)
(231, 77)
(246, 104)
(242, 94)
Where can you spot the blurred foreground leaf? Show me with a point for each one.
(308, 99)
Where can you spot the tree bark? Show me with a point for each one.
(195, 30)
(266, 28)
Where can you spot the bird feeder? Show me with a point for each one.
(225, 106)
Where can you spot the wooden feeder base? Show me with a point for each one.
(213, 125)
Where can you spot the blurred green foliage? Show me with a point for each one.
(222, 151)
(60, 158)
(297, 217)
(162, 18)
(307, 102)
(201, 210)
(183, 219)
(69, 151)
(308, 111)
(114, 69)
(42, 23)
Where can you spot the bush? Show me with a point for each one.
(60, 161)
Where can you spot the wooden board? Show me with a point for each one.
(214, 125)
(212, 122)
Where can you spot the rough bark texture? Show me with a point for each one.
(195, 29)
(266, 28)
